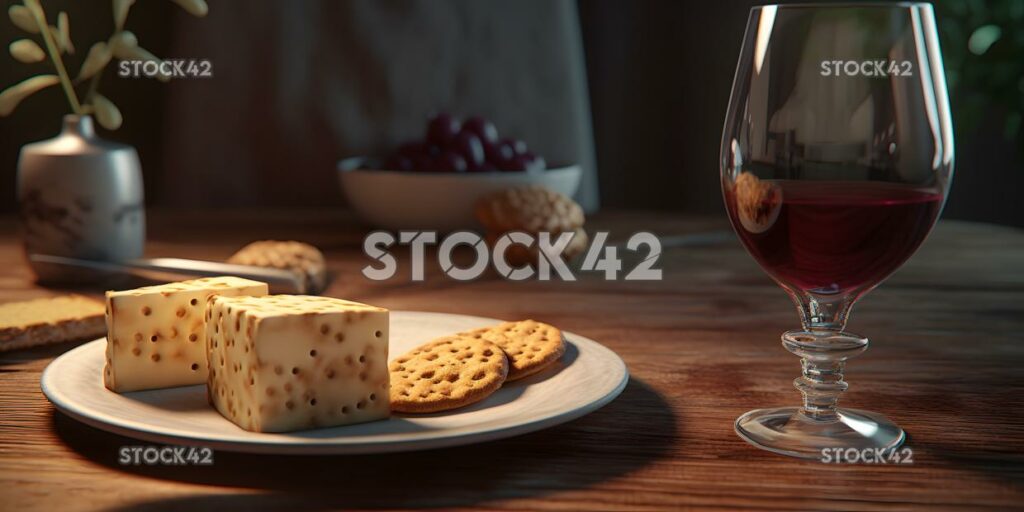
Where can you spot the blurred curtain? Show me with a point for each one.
(298, 85)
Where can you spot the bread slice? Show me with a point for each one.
(51, 320)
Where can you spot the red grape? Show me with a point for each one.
(524, 162)
(450, 161)
(481, 128)
(442, 129)
(468, 145)
(516, 163)
(500, 153)
(490, 151)
(474, 146)
(518, 146)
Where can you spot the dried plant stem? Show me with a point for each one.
(51, 48)
(94, 83)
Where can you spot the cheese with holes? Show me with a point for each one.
(156, 335)
(291, 362)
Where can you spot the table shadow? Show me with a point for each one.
(24, 355)
(1003, 464)
(632, 431)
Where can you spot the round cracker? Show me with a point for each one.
(531, 208)
(531, 346)
(450, 372)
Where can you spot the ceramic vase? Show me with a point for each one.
(80, 196)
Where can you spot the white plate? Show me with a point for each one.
(588, 377)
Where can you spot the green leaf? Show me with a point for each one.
(107, 113)
(22, 18)
(140, 53)
(121, 8)
(123, 43)
(983, 38)
(13, 95)
(125, 46)
(98, 57)
(27, 51)
(197, 8)
(55, 34)
(64, 33)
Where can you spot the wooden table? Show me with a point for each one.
(702, 346)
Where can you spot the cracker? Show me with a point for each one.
(532, 208)
(52, 320)
(531, 346)
(447, 373)
(303, 259)
(758, 202)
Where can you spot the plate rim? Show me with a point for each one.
(440, 439)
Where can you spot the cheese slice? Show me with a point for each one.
(290, 362)
(156, 335)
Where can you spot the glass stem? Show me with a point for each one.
(823, 348)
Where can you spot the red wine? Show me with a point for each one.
(831, 236)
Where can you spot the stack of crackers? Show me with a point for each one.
(303, 259)
(460, 369)
(531, 209)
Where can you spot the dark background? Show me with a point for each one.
(659, 74)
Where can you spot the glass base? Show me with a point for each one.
(788, 432)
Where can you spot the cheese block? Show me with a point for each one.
(156, 336)
(290, 362)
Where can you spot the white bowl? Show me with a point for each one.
(432, 200)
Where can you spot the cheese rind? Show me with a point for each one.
(156, 335)
(290, 362)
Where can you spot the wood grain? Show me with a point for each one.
(702, 347)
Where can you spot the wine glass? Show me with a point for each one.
(836, 158)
